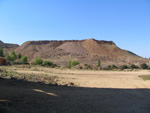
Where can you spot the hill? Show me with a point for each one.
(8, 47)
(85, 51)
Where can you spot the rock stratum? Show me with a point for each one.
(84, 51)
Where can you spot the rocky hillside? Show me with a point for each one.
(8, 47)
(85, 51)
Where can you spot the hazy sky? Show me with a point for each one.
(126, 22)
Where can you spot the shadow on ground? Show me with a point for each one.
(17, 96)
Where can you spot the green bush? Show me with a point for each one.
(19, 55)
(13, 56)
(114, 67)
(38, 61)
(47, 63)
(122, 67)
(144, 66)
(110, 67)
(98, 63)
(8, 57)
(133, 66)
(74, 63)
(69, 64)
(24, 60)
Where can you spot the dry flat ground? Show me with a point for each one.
(94, 92)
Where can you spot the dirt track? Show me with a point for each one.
(97, 92)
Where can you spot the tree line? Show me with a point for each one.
(12, 57)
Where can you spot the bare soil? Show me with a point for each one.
(93, 92)
(84, 51)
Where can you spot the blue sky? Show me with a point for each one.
(126, 22)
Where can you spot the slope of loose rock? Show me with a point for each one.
(85, 51)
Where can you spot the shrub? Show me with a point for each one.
(13, 56)
(110, 67)
(1, 52)
(74, 63)
(19, 55)
(69, 64)
(54, 65)
(24, 60)
(8, 57)
(133, 66)
(114, 67)
(144, 66)
(98, 63)
(16, 63)
(38, 61)
(47, 63)
(122, 67)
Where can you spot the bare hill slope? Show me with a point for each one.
(85, 51)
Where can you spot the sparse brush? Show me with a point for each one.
(122, 67)
(145, 77)
(144, 66)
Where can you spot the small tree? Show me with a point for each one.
(13, 56)
(38, 61)
(144, 66)
(8, 57)
(98, 63)
(19, 55)
(24, 60)
(1, 52)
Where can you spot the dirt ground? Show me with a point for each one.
(94, 92)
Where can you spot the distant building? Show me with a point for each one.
(2, 61)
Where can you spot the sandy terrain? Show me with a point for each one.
(94, 92)
(96, 79)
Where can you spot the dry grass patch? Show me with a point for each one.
(145, 77)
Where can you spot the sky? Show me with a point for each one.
(126, 22)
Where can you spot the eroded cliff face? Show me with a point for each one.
(86, 51)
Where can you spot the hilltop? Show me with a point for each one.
(8, 47)
(85, 51)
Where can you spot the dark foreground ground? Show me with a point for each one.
(28, 97)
